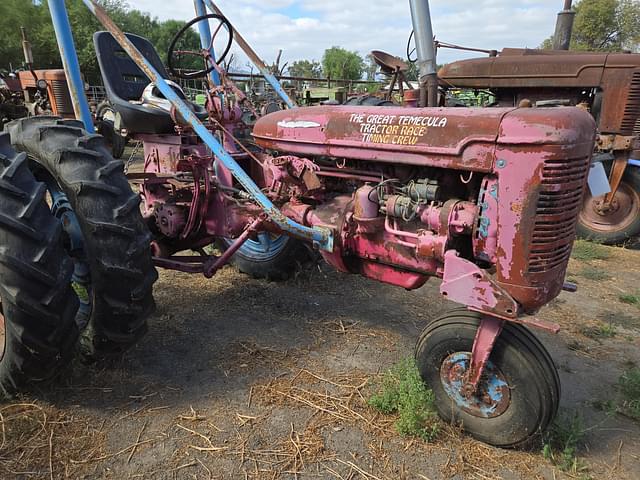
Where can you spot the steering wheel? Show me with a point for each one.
(172, 47)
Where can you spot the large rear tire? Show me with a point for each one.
(621, 222)
(37, 322)
(519, 392)
(271, 257)
(113, 239)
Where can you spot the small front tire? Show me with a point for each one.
(519, 391)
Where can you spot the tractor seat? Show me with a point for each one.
(125, 82)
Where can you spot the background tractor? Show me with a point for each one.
(486, 200)
(32, 92)
(605, 84)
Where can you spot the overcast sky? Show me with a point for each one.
(305, 28)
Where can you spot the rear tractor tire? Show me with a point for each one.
(106, 236)
(268, 256)
(621, 222)
(37, 320)
(519, 391)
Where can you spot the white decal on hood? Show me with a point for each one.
(298, 124)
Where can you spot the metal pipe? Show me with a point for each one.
(205, 36)
(64, 36)
(564, 27)
(426, 52)
(308, 79)
(210, 268)
(253, 56)
(322, 237)
(28, 54)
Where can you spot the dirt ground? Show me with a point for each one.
(239, 378)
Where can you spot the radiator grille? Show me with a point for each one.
(62, 97)
(632, 108)
(559, 204)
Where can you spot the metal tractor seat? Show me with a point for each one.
(124, 83)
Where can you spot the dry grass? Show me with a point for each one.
(340, 401)
(39, 441)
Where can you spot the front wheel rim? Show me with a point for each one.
(492, 397)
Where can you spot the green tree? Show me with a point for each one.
(37, 21)
(371, 67)
(305, 68)
(13, 15)
(604, 25)
(340, 63)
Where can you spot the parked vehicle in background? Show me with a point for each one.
(11, 101)
(605, 84)
(30, 93)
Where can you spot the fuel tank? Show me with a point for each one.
(456, 138)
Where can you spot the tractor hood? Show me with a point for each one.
(459, 138)
(524, 68)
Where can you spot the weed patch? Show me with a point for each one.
(594, 273)
(403, 392)
(629, 384)
(587, 251)
(562, 442)
(604, 330)
(629, 299)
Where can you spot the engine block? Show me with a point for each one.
(491, 195)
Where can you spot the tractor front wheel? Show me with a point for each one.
(519, 391)
(106, 236)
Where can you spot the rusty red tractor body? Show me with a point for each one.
(507, 195)
(605, 84)
(487, 200)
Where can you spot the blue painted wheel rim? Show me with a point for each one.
(81, 277)
(264, 248)
(493, 395)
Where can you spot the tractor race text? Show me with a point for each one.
(395, 129)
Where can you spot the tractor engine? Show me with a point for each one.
(485, 199)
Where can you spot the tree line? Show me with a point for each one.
(600, 25)
(604, 26)
(35, 18)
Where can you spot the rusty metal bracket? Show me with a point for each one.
(608, 143)
(466, 283)
(216, 263)
(486, 336)
(617, 172)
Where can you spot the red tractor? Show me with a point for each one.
(46, 92)
(487, 201)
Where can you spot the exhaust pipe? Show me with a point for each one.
(564, 27)
(426, 52)
(28, 54)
